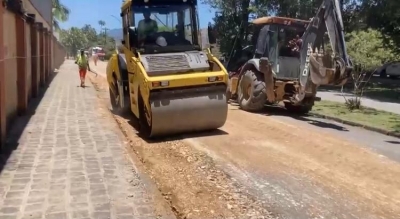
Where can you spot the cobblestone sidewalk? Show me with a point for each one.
(70, 161)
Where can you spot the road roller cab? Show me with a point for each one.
(163, 76)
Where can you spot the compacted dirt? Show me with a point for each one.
(258, 164)
(187, 178)
(301, 173)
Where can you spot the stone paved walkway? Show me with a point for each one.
(70, 161)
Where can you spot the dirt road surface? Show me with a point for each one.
(304, 173)
(275, 166)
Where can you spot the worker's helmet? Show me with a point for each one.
(161, 41)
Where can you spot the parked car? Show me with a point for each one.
(391, 69)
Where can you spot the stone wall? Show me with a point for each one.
(29, 53)
(44, 8)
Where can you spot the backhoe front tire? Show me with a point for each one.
(252, 91)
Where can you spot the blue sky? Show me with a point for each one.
(91, 11)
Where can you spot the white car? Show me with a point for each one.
(392, 69)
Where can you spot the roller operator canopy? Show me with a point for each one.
(281, 20)
(158, 2)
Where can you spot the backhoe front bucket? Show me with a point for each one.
(188, 110)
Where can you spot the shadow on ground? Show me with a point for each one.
(19, 123)
(393, 142)
(280, 111)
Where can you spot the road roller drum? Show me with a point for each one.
(188, 110)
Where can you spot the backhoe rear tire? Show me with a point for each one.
(252, 91)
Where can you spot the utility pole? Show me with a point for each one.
(105, 36)
(119, 20)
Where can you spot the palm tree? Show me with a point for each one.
(60, 14)
(102, 24)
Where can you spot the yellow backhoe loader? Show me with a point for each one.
(288, 59)
(163, 76)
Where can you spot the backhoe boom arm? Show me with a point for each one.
(318, 66)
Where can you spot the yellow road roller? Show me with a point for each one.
(161, 73)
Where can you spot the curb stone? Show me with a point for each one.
(370, 128)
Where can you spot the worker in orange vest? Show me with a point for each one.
(83, 63)
(95, 58)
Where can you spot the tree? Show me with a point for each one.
(102, 24)
(231, 21)
(73, 39)
(232, 16)
(366, 48)
(90, 34)
(162, 28)
(367, 51)
(60, 14)
(384, 15)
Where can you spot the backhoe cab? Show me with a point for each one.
(287, 59)
(162, 75)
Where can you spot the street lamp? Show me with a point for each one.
(116, 18)
(116, 45)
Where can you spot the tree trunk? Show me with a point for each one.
(245, 19)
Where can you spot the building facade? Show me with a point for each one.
(28, 55)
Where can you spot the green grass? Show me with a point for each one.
(365, 116)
